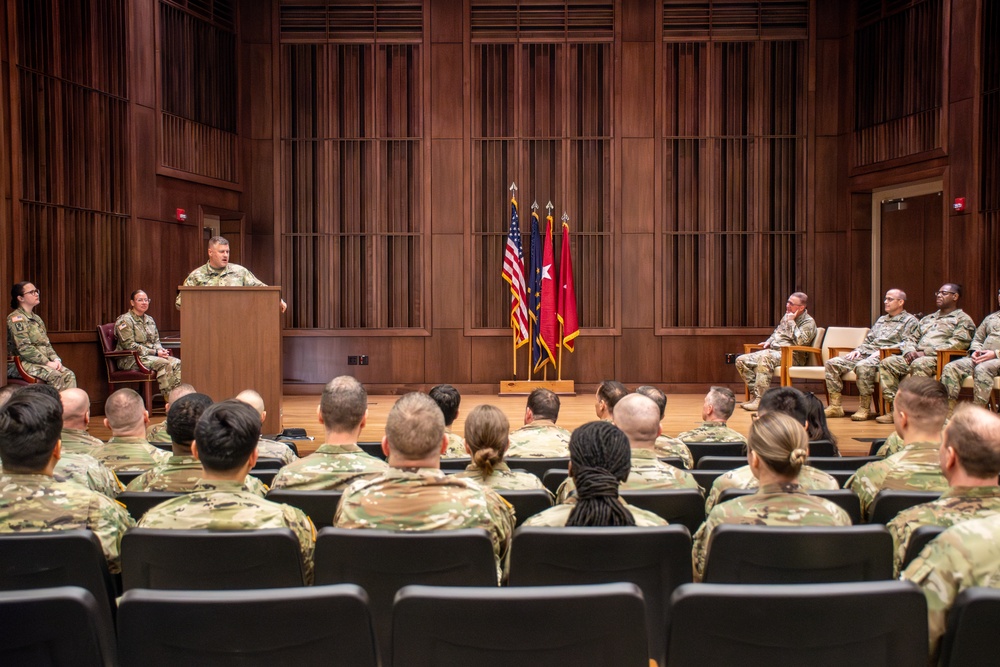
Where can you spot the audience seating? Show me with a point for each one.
(700, 449)
(138, 375)
(674, 461)
(537, 467)
(868, 624)
(23, 377)
(852, 463)
(684, 506)
(265, 475)
(139, 502)
(320, 506)
(526, 502)
(126, 476)
(888, 503)
(720, 462)
(210, 559)
(269, 464)
(552, 479)
(823, 448)
(970, 638)
(919, 539)
(706, 478)
(63, 625)
(838, 341)
(455, 465)
(383, 561)
(843, 498)
(842, 476)
(753, 554)
(373, 448)
(657, 560)
(875, 446)
(531, 626)
(292, 626)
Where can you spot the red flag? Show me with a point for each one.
(548, 327)
(566, 310)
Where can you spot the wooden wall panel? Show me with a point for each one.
(699, 361)
(315, 360)
(142, 54)
(638, 248)
(638, 185)
(637, 357)
(638, 72)
(638, 21)
(593, 361)
(446, 24)
(830, 295)
(447, 357)
(826, 194)
(447, 187)
(448, 281)
(491, 360)
(446, 91)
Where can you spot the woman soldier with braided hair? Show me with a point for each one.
(599, 461)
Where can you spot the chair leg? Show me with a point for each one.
(147, 394)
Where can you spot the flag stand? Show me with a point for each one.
(525, 387)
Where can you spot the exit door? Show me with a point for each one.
(912, 249)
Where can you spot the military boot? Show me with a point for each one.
(887, 417)
(835, 409)
(751, 406)
(864, 412)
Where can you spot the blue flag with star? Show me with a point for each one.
(535, 290)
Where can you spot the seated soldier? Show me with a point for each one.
(983, 363)
(715, 412)
(609, 392)
(127, 449)
(487, 433)
(76, 419)
(448, 399)
(266, 449)
(540, 437)
(28, 339)
(666, 446)
(157, 433)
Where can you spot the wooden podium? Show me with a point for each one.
(231, 337)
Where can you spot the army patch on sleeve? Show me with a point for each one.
(17, 318)
(122, 325)
(19, 326)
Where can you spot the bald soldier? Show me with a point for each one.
(540, 437)
(266, 449)
(219, 272)
(127, 450)
(76, 419)
(666, 446)
(414, 494)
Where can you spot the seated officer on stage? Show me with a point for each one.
(666, 446)
(715, 411)
(28, 339)
(448, 399)
(266, 449)
(540, 437)
(157, 433)
(127, 449)
(983, 363)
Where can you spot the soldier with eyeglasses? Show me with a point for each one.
(28, 339)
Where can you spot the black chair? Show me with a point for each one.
(265, 475)
(269, 464)
(373, 448)
(846, 499)
(830, 463)
(383, 561)
(824, 448)
(551, 479)
(875, 446)
(753, 554)
(868, 624)
(240, 559)
(455, 464)
(294, 626)
(919, 539)
(706, 478)
(320, 506)
(63, 625)
(526, 502)
(841, 476)
(888, 503)
(139, 502)
(720, 462)
(970, 637)
(674, 461)
(537, 467)
(657, 560)
(530, 626)
(700, 449)
(683, 506)
(126, 476)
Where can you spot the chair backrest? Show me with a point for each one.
(851, 463)
(373, 448)
(551, 479)
(890, 502)
(875, 446)
(970, 637)
(126, 476)
(210, 559)
(320, 506)
(816, 359)
(63, 625)
(537, 467)
(842, 337)
(869, 624)
(845, 499)
(919, 539)
(657, 560)
(269, 464)
(526, 502)
(139, 502)
(706, 478)
(455, 464)
(106, 337)
(842, 476)
(674, 461)
(295, 625)
(529, 626)
(383, 561)
(824, 448)
(266, 475)
(749, 554)
(683, 506)
(720, 462)
(700, 449)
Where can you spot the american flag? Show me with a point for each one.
(513, 273)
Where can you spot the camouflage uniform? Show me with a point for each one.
(916, 468)
(231, 275)
(779, 504)
(38, 503)
(503, 478)
(128, 454)
(28, 339)
(811, 479)
(647, 472)
(953, 375)
(952, 331)
(964, 556)
(137, 333)
(712, 432)
(892, 445)
(886, 332)
(158, 433)
(227, 505)
(84, 469)
(665, 446)
(757, 368)
(181, 474)
(78, 441)
(330, 467)
(421, 499)
(272, 449)
(456, 446)
(557, 516)
(541, 439)
(957, 504)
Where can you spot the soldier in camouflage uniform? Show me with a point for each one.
(666, 446)
(949, 328)
(76, 419)
(892, 445)
(449, 400)
(30, 499)
(795, 328)
(343, 410)
(226, 444)
(218, 272)
(414, 494)
(609, 392)
(893, 329)
(963, 556)
(156, 434)
(28, 339)
(127, 449)
(487, 434)
(970, 460)
(540, 437)
(135, 331)
(777, 446)
(922, 404)
(716, 410)
(267, 449)
(983, 364)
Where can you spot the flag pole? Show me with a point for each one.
(532, 324)
(513, 333)
(550, 207)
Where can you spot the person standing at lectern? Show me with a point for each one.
(218, 272)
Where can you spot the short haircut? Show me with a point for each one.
(901, 293)
(414, 427)
(131, 297)
(42, 388)
(183, 417)
(29, 430)
(638, 417)
(780, 442)
(448, 399)
(924, 400)
(343, 404)
(7, 391)
(544, 404)
(487, 433)
(253, 399)
(611, 391)
(722, 400)
(226, 435)
(124, 410)
(801, 296)
(656, 395)
(955, 287)
(786, 400)
(974, 434)
(217, 241)
(183, 389)
(76, 404)
(16, 291)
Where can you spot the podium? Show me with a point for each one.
(231, 337)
